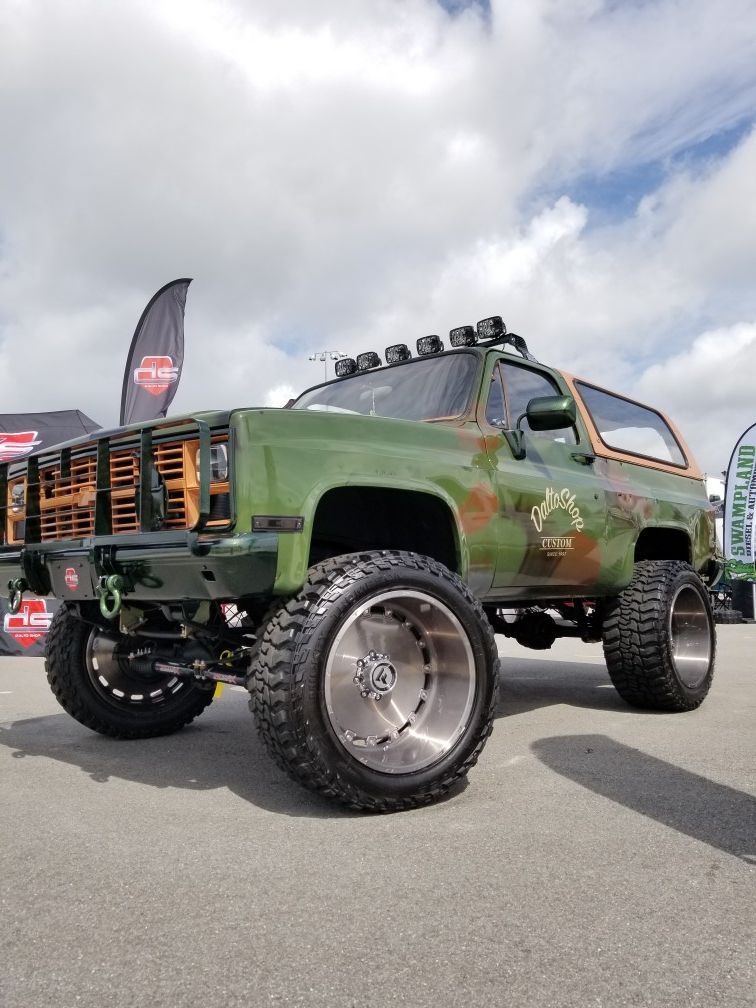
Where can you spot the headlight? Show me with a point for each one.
(18, 501)
(218, 463)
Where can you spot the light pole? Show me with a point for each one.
(325, 356)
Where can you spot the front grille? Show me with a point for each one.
(62, 490)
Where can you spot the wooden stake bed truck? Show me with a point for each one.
(349, 558)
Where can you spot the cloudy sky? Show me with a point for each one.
(344, 174)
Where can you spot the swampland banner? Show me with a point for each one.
(156, 356)
(740, 508)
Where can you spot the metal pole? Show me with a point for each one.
(326, 356)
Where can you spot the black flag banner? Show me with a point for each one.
(156, 356)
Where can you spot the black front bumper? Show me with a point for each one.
(160, 566)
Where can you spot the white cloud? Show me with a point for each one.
(708, 389)
(353, 173)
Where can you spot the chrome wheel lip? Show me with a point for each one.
(690, 636)
(421, 719)
(113, 683)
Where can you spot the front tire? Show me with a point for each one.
(93, 682)
(376, 685)
(659, 638)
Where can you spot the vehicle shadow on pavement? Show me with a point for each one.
(526, 684)
(219, 750)
(686, 802)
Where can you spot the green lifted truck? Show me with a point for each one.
(349, 558)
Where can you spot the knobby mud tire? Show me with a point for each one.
(76, 692)
(639, 643)
(287, 681)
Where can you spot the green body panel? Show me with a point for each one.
(558, 523)
(292, 458)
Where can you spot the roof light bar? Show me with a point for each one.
(463, 336)
(490, 328)
(429, 345)
(368, 360)
(345, 367)
(398, 352)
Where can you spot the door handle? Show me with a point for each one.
(583, 459)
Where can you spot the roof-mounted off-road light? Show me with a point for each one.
(463, 335)
(398, 352)
(490, 328)
(429, 345)
(345, 367)
(368, 360)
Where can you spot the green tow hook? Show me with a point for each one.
(111, 599)
(16, 589)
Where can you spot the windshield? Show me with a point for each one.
(431, 388)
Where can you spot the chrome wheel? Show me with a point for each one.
(399, 681)
(690, 636)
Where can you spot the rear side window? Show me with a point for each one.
(626, 426)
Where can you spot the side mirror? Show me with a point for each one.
(543, 413)
(550, 413)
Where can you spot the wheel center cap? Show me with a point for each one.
(374, 676)
(382, 677)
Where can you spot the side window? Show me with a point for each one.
(496, 411)
(522, 385)
(627, 426)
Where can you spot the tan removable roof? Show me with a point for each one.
(600, 448)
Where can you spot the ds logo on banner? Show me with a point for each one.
(155, 374)
(31, 622)
(15, 446)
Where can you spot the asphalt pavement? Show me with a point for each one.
(597, 856)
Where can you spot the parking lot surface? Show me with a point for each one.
(598, 856)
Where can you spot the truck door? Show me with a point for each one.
(552, 504)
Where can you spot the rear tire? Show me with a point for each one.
(376, 685)
(659, 638)
(95, 686)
